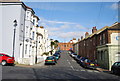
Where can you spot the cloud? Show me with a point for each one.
(71, 34)
(114, 6)
(59, 22)
(63, 30)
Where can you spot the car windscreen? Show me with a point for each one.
(55, 55)
(7, 55)
(118, 64)
(50, 58)
(78, 56)
(74, 54)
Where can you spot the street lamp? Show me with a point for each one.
(14, 24)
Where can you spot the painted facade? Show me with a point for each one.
(102, 45)
(31, 41)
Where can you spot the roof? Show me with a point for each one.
(30, 9)
(114, 26)
(10, 1)
(36, 17)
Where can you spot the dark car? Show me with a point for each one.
(6, 59)
(57, 56)
(56, 53)
(51, 60)
(59, 51)
(89, 64)
(77, 58)
(116, 68)
(81, 60)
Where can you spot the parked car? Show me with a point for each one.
(56, 53)
(57, 56)
(116, 68)
(81, 60)
(6, 59)
(89, 64)
(73, 55)
(70, 52)
(51, 60)
(59, 51)
(77, 58)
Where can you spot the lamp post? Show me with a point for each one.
(15, 24)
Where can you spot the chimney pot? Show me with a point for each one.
(86, 34)
(78, 39)
(81, 37)
(94, 29)
(41, 27)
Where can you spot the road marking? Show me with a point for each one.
(77, 70)
(73, 60)
(68, 62)
(72, 68)
(97, 71)
(89, 71)
(82, 70)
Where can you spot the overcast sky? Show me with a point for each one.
(65, 20)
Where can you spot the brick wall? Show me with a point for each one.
(65, 46)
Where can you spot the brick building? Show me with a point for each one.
(102, 45)
(65, 46)
(68, 45)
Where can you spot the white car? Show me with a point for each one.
(73, 55)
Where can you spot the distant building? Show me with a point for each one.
(67, 45)
(102, 45)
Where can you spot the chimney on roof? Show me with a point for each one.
(78, 39)
(86, 34)
(81, 37)
(74, 38)
(94, 29)
(41, 27)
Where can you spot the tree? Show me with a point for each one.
(54, 43)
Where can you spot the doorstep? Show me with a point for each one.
(40, 64)
(22, 65)
(102, 70)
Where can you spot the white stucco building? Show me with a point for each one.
(31, 41)
(11, 11)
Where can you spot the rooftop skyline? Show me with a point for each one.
(67, 20)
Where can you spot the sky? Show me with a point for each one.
(67, 20)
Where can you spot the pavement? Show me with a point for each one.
(41, 64)
(102, 70)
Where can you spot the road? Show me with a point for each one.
(66, 68)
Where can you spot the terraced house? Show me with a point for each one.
(102, 45)
(29, 37)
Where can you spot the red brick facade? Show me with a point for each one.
(65, 46)
(87, 47)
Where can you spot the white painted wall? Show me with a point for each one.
(0, 28)
(9, 14)
(115, 38)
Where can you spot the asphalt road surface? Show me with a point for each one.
(66, 68)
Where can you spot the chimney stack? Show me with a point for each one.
(41, 27)
(78, 40)
(74, 38)
(94, 29)
(81, 37)
(86, 34)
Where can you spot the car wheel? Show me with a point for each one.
(4, 62)
(113, 71)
